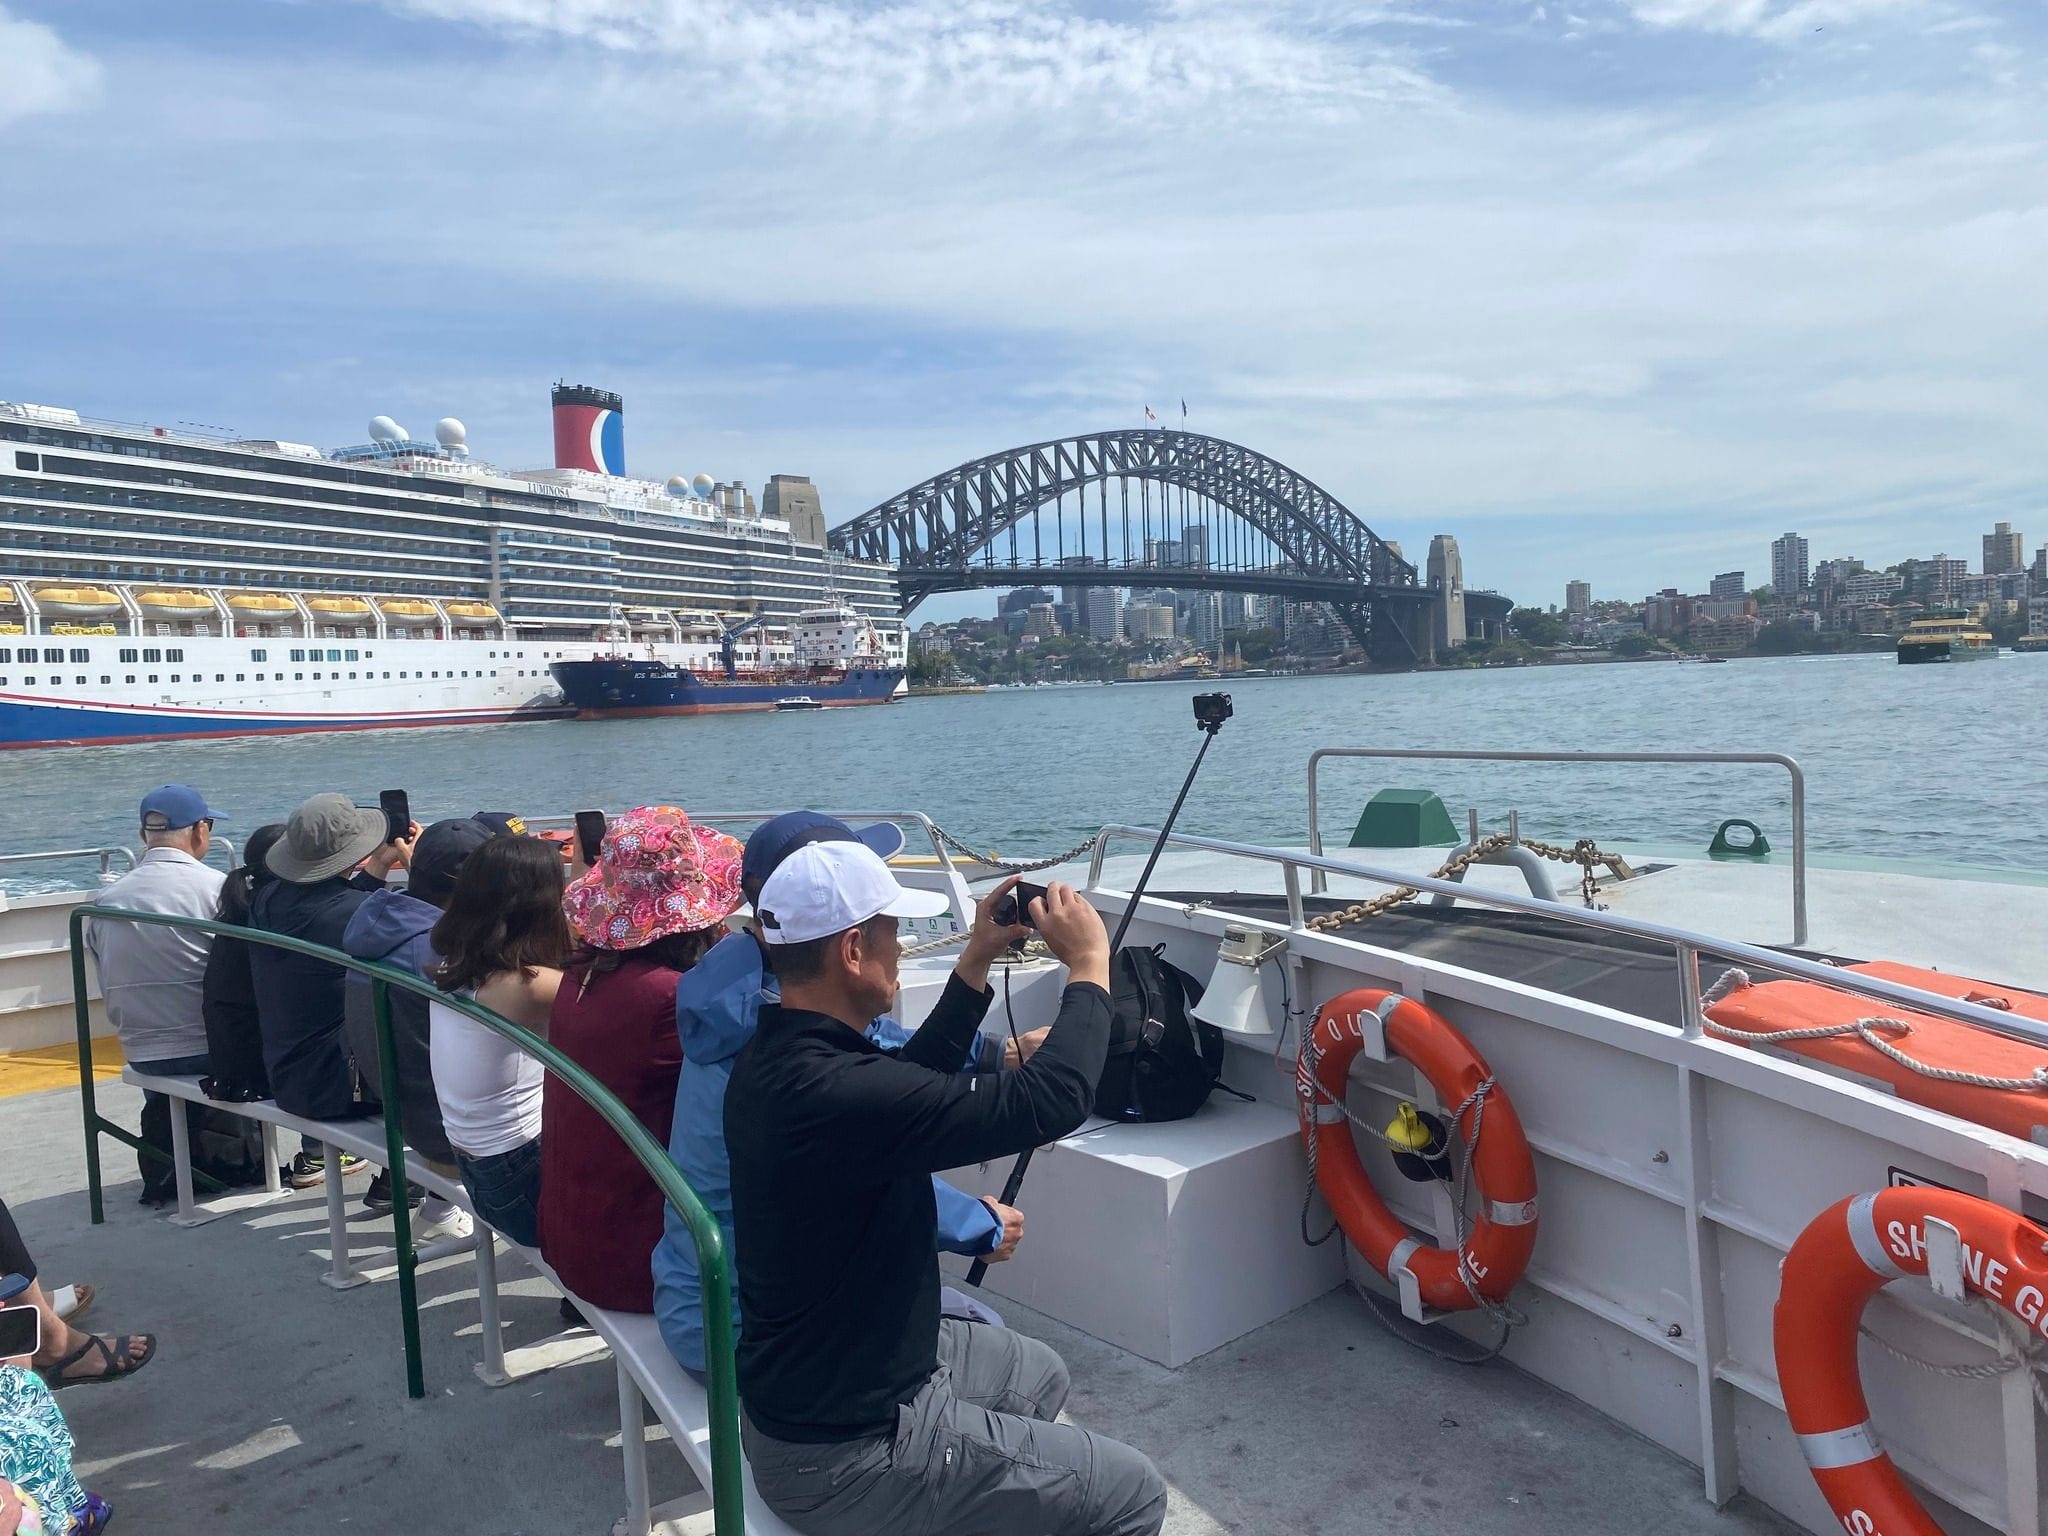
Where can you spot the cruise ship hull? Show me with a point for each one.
(612, 688)
(30, 722)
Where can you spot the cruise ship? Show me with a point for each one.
(160, 583)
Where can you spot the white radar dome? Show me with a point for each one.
(702, 486)
(384, 430)
(450, 433)
(678, 486)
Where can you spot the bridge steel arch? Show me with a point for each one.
(931, 532)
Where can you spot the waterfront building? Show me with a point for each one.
(2039, 569)
(1724, 632)
(1234, 609)
(2037, 615)
(1936, 581)
(1788, 567)
(2003, 550)
(1578, 597)
(1728, 584)
(1041, 621)
(1446, 574)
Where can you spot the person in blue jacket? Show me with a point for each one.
(717, 1003)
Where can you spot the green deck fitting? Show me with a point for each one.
(1404, 818)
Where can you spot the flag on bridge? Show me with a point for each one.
(1150, 414)
(1183, 410)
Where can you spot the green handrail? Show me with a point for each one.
(728, 1494)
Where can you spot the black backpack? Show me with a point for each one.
(1163, 1062)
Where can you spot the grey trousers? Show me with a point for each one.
(975, 1453)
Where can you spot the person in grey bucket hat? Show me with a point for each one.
(300, 1007)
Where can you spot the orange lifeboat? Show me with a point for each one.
(1974, 1074)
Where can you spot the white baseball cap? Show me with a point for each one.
(827, 888)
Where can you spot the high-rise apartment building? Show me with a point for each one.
(1578, 597)
(1149, 621)
(1194, 546)
(2003, 551)
(1104, 610)
(1728, 585)
(2039, 569)
(1446, 577)
(1788, 567)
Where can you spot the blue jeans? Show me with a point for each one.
(505, 1189)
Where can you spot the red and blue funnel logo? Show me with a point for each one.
(590, 430)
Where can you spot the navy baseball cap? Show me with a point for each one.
(175, 806)
(438, 857)
(774, 841)
(501, 823)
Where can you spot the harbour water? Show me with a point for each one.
(1931, 764)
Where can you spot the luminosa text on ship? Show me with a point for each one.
(159, 583)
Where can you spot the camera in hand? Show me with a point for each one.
(1015, 905)
(1211, 710)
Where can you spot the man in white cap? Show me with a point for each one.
(866, 1414)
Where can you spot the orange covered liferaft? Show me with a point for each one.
(1991, 1079)
(1846, 1255)
(1486, 1266)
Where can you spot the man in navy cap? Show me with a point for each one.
(717, 1003)
(152, 976)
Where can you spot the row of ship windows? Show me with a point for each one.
(277, 677)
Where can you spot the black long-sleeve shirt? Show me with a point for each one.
(832, 1145)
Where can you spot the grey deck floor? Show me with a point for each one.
(277, 1405)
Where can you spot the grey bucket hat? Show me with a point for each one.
(327, 835)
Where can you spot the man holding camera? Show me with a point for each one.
(866, 1413)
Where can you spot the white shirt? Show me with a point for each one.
(151, 975)
(489, 1089)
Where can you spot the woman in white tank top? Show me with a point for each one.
(503, 940)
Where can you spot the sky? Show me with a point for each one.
(1609, 289)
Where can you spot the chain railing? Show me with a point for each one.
(1583, 853)
(714, 1263)
(1318, 881)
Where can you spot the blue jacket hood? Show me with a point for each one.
(718, 1000)
(393, 927)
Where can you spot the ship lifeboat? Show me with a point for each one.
(482, 611)
(1974, 1074)
(339, 607)
(405, 608)
(261, 603)
(176, 601)
(89, 601)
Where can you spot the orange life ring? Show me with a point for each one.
(1496, 1250)
(1846, 1255)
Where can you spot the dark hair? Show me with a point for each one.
(246, 878)
(806, 961)
(505, 914)
(676, 951)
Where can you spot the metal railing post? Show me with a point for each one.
(88, 1095)
(401, 1207)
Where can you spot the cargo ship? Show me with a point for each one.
(165, 583)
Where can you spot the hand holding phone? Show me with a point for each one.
(397, 808)
(1014, 906)
(590, 827)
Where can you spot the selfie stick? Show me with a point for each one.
(1209, 728)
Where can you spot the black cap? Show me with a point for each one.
(438, 857)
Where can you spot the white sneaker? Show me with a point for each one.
(439, 1219)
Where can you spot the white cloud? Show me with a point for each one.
(1780, 20)
(935, 63)
(39, 72)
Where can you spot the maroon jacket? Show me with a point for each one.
(600, 1213)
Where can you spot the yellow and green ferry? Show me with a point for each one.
(1948, 634)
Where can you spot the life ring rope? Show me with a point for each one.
(1494, 1230)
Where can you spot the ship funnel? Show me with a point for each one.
(590, 429)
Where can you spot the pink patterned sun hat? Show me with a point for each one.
(657, 874)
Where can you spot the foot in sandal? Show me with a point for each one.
(98, 1358)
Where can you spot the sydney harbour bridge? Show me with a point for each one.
(1148, 507)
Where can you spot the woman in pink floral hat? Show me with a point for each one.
(656, 901)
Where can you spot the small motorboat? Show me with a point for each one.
(798, 701)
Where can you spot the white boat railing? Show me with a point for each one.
(1695, 759)
(106, 856)
(1686, 945)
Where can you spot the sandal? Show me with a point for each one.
(69, 1301)
(119, 1360)
(91, 1517)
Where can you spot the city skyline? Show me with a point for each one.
(1604, 291)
